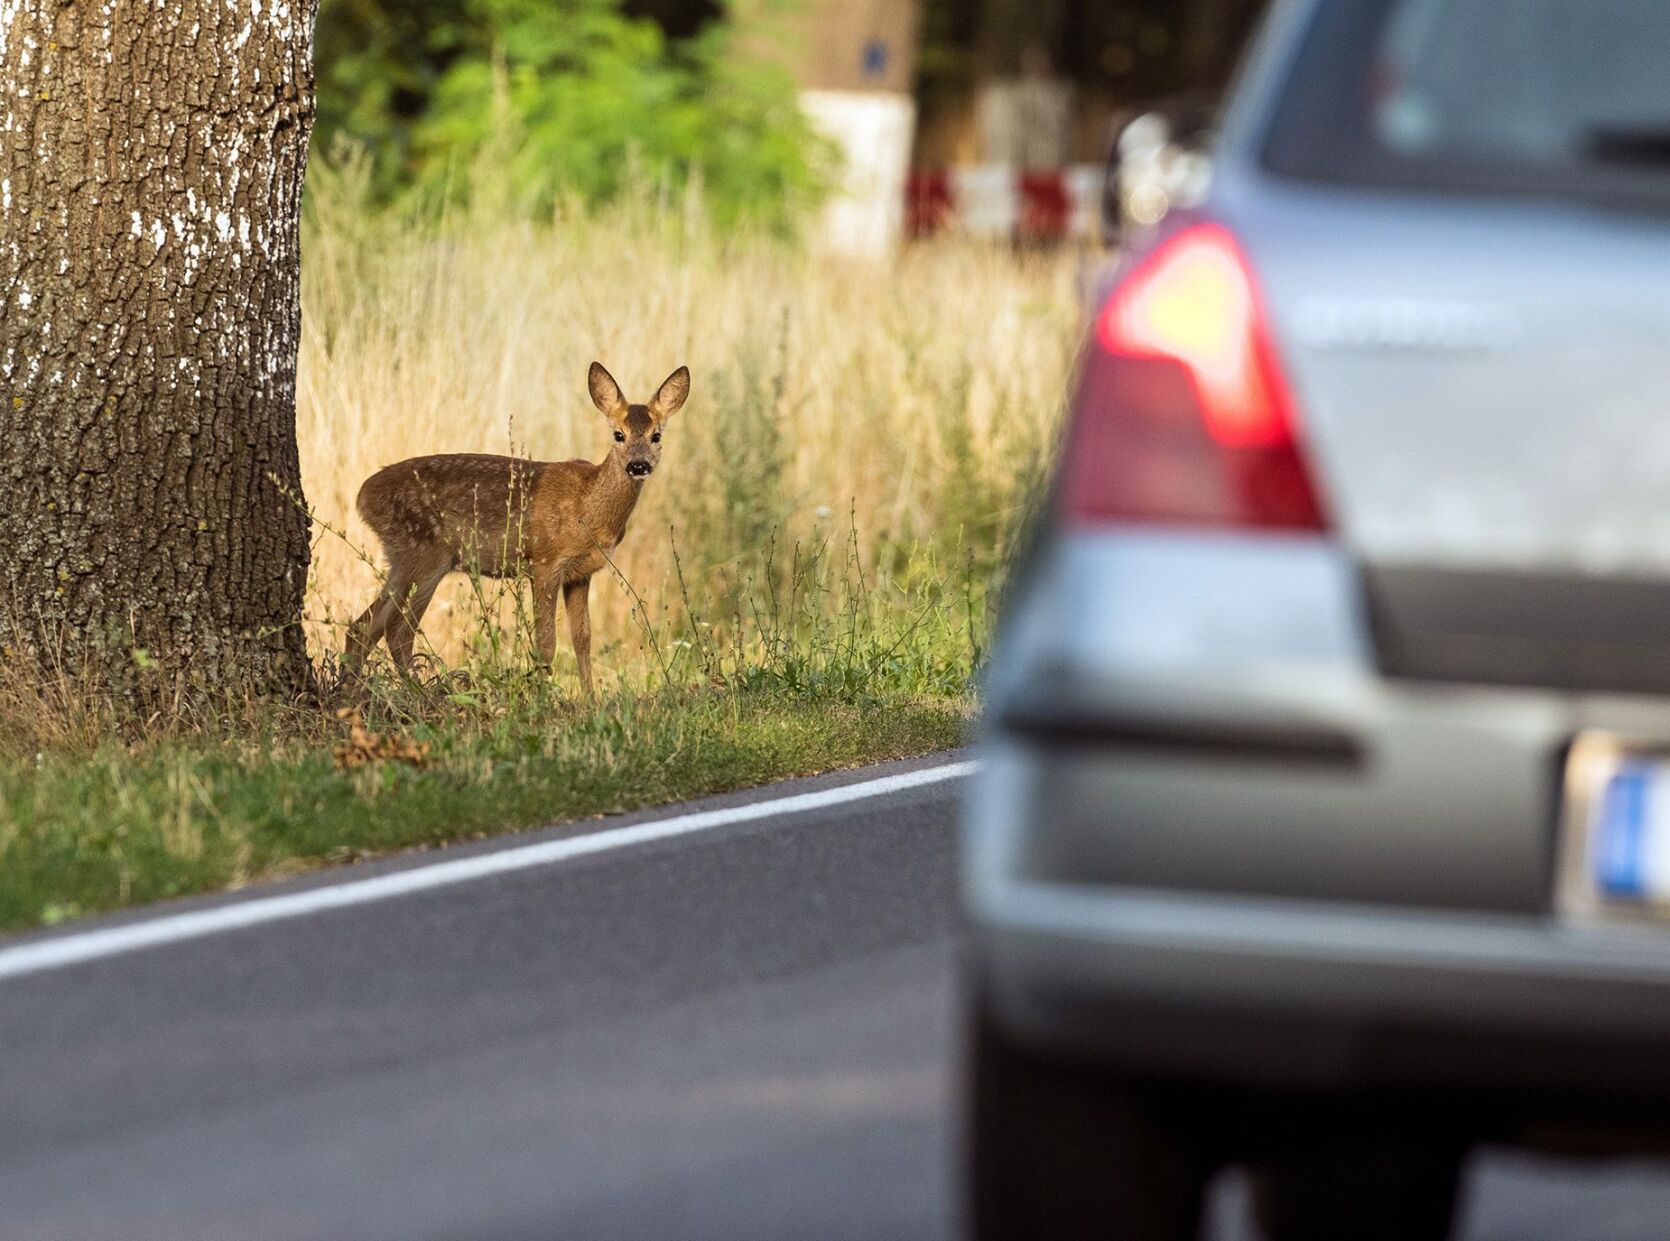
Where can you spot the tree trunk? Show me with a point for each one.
(151, 161)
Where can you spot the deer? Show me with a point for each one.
(554, 522)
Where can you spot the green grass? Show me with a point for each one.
(822, 669)
(115, 826)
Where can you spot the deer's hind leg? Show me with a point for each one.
(403, 626)
(373, 623)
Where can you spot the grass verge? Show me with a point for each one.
(118, 826)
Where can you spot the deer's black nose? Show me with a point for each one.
(639, 469)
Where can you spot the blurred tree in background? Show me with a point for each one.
(521, 104)
(1120, 55)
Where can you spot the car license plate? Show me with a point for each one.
(1616, 835)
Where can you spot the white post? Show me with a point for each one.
(873, 130)
(856, 68)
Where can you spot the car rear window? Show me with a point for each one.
(1531, 96)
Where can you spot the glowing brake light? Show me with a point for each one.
(1183, 412)
(1195, 304)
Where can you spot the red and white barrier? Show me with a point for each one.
(999, 202)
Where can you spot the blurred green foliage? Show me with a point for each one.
(522, 104)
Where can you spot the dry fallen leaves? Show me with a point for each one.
(364, 748)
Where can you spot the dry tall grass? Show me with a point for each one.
(844, 486)
(898, 415)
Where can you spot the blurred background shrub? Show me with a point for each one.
(517, 105)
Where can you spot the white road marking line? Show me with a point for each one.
(72, 949)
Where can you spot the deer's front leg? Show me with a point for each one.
(576, 598)
(547, 589)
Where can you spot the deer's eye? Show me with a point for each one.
(620, 437)
(656, 438)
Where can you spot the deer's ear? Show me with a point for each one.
(671, 395)
(605, 392)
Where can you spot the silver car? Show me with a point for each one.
(1323, 825)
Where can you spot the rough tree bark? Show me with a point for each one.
(151, 161)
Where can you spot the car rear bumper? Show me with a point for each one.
(1209, 836)
(1275, 992)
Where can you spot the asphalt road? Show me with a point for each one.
(741, 1032)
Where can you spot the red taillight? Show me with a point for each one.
(1183, 412)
